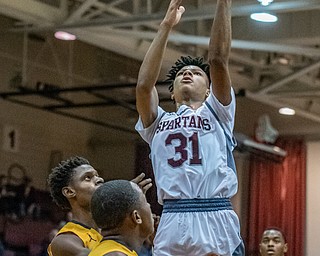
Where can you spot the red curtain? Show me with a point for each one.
(277, 197)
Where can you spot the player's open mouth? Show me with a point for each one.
(187, 80)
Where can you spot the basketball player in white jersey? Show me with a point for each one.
(191, 149)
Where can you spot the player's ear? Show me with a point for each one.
(68, 192)
(207, 93)
(260, 248)
(172, 96)
(136, 218)
(285, 248)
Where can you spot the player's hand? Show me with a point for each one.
(144, 184)
(174, 13)
(156, 220)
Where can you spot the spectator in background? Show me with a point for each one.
(273, 242)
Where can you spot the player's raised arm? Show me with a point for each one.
(146, 94)
(219, 51)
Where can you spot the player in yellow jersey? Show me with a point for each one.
(121, 210)
(72, 184)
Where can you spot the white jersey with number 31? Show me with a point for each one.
(189, 152)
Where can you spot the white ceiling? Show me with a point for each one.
(275, 64)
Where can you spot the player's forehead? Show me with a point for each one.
(84, 167)
(83, 170)
(272, 234)
(192, 68)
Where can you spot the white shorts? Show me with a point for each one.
(197, 233)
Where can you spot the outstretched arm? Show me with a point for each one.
(219, 51)
(146, 94)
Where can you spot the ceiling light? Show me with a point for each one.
(263, 17)
(287, 111)
(283, 61)
(62, 35)
(265, 2)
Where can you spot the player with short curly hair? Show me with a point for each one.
(61, 176)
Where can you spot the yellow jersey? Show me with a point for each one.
(89, 236)
(107, 246)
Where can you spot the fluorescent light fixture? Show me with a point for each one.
(62, 35)
(263, 17)
(287, 111)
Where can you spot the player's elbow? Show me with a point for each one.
(143, 87)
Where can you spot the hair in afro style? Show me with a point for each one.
(186, 61)
(61, 176)
(113, 201)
